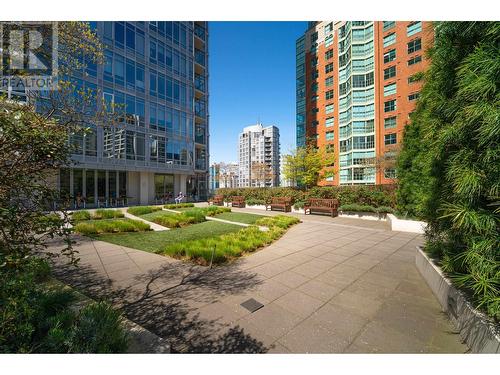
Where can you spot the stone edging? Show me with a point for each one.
(478, 331)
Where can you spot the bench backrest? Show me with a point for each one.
(281, 200)
(322, 202)
(238, 198)
(218, 198)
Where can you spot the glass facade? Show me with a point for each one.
(356, 103)
(155, 73)
(300, 92)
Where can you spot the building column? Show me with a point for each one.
(144, 188)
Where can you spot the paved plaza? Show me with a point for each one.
(327, 286)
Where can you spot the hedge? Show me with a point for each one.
(372, 195)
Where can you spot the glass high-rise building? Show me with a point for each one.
(357, 83)
(158, 73)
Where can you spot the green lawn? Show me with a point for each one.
(239, 217)
(157, 241)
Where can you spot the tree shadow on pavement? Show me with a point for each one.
(165, 301)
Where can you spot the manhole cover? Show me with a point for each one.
(252, 305)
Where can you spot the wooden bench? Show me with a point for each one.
(330, 206)
(238, 201)
(217, 200)
(279, 204)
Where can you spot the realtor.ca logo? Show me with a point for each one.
(28, 56)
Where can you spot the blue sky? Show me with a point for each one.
(252, 76)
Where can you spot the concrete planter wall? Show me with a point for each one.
(476, 329)
(363, 215)
(401, 225)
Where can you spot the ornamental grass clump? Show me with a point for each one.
(178, 205)
(142, 210)
(103, 213)
(280, 221)
(93, 227)
(232, 245)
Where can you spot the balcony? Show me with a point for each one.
(199, 31)
(200, 108)
(199, 57)
(199, 82)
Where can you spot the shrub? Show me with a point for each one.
(36, 318)
(357, 208)
(255, 201)
(178, 205)
(449, 164)
(91, 227)
(142, 210)
(373, 195)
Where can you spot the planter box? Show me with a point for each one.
(363, 215)
(478, 331)
(401, 225)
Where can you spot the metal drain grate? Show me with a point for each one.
(252, 305)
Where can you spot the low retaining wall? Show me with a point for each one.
(363, 215)
(400, 225)
(478, 331)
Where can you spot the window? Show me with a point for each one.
(413, 28)
(139, 42)
(415, 45)
(130, 37)
(390, 72)
(389, 56)
(329, 94)
(330, 136)
(390, 173)
(389, 39)
(415, 60)
(329, 108)
(362, 80)
(119, 34)
(390, 139)
(329, 68)
(328, 41)
(390, 105)
(139, 77)
(152, 51)
(413, 96)
(119, 69)
(329, 54)
(329, 27)
(130, 74)
(329, 122)
(329, 81)
(152, 83)
(390, 122)
(390, 89)
(389, 25)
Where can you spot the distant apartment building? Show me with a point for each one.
(259, 156)
(228, 175)
(357, 84)
(213, 177)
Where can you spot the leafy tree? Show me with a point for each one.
(449, 166)
(33, 147)
(308, 165)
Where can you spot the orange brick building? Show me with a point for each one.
(356, 86)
